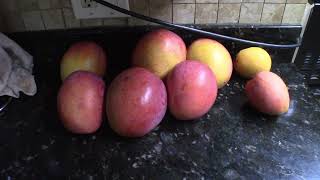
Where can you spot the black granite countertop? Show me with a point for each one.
(232, 141)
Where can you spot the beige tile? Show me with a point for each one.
(206, 13)
(275, 1)
(183, 1)
(137, 22)
(272, 13)
(70, 19)
(229, 1)
(56, 4)
(27, 5)
(296, 1)
(228, 13)
(3, 27)
(32, 20)
(183, 13)
(293, 13)
(13, 21)
(91, 22)
(161, 9)
(53, 19)
(206, 1)
(50, 4)
(8, 5)
(66, 3)
(251, 13)
(115, 22)
(44, 4)
(254, 0)
(138, 6)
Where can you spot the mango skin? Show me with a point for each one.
(251, 61)
(268, 93)
(215, 55)
(136, 102)
(80, 102)
(192, 90)
(86, 56)
(159, 51)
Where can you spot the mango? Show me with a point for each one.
(192, 90)
(136, 102)
(80, 102)
(86, 56)
(215, 55)
(159, 51)
(268, 93)
(251, 61)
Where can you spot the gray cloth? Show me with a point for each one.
(15, 69)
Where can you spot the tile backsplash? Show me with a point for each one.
(28, 15)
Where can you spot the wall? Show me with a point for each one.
(1, 24)
(22, 15)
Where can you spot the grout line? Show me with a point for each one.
(195, 11)
(285, 5)
(25, 27)
(216, 21)
(63, 19)
(218, 12)
(81, 23)
(240, 12)
(149, 9)
(264, 2)
(171, 11)
(42, 20)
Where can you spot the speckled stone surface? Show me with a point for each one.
(232, 141)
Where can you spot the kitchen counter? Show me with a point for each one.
(232, 141)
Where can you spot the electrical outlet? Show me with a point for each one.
(88, 4)
(87, 9)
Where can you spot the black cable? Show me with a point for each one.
(194, 30)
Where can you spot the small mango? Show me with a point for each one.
(268, 93)
(251, 61)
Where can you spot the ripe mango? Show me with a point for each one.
(268, 93)
(215, 55)
(251, 61)
(159, 51)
